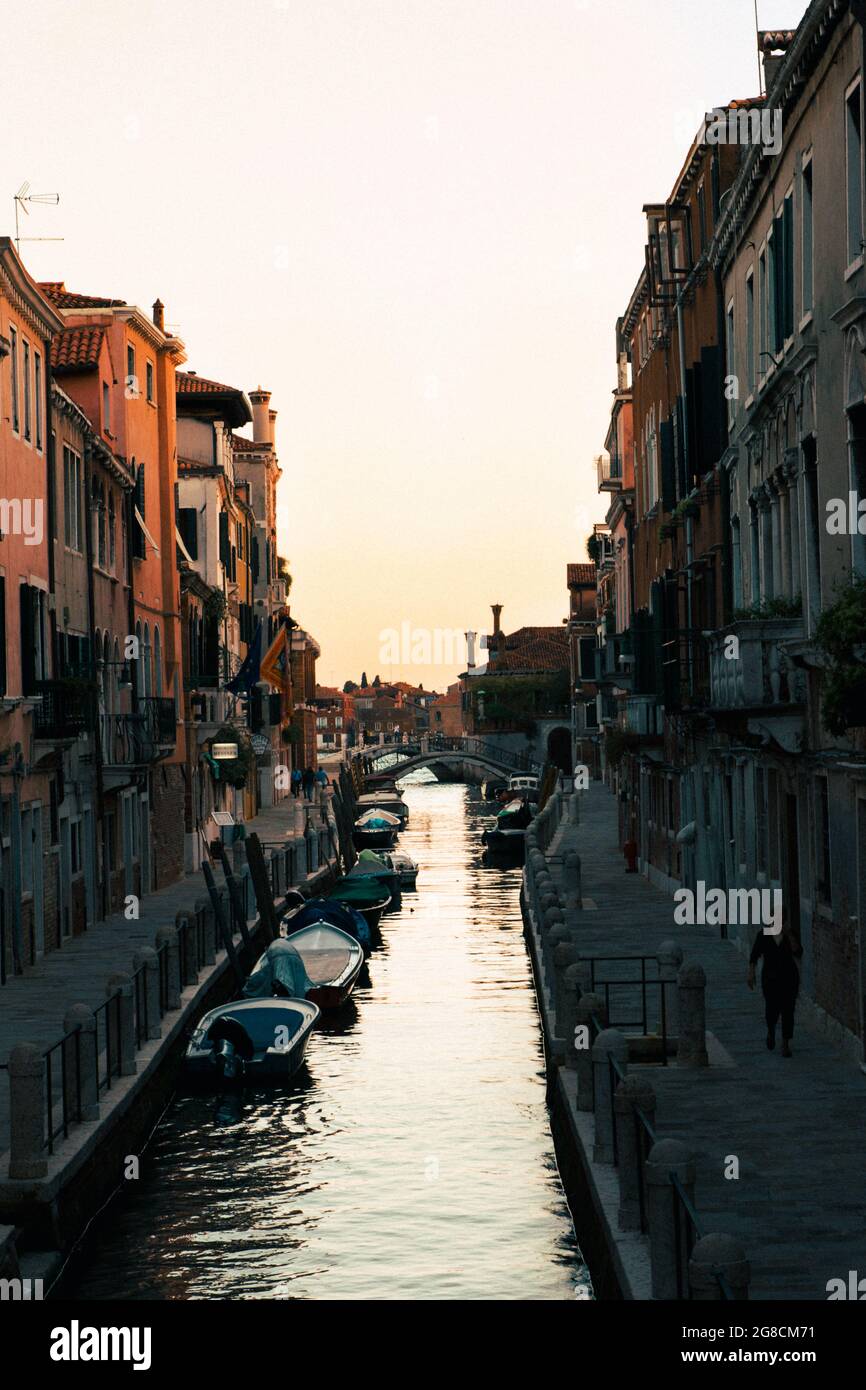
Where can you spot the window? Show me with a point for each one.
(854, 158)
(130, 370)
(76, 857)
(106, 408)
(822, 841)
(750, 333)
(2, 635)
(702, 217)
(32, 602)
(807, 276)
(187, 524)
(762, 313)
(101, 538)
(149, 376)
(27, 400)
(37, 387)
(760, 820)
(72, 517)
(112, 538)
(13, 366)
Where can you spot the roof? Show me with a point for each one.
(539, 654)
(190, 383)
(581, 576)
(56, 291)
(76, 349)
(248, 446)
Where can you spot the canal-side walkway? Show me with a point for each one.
(796, 1127)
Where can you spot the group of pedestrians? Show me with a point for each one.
(307, 780)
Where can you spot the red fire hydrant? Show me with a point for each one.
(629, 849)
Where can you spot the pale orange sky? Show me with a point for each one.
(415, 222)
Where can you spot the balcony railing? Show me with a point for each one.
(66, 709)
(144, 734)
(609, 473)
(753, 671)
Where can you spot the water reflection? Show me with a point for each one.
(411, 1158)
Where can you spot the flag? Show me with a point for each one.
(275, 662)
(250, 672)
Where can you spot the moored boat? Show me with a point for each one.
(385, 799)
(508, 834)
(404, 867)
(339, 914)
(376, 829)
(251, 1040)
(331, 959)
(365, 893)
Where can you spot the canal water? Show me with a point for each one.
(413, 1160)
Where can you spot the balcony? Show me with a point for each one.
(65, 710)
(609, 473)
(142, 736)
(756, 673)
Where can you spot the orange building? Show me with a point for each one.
(127, 392)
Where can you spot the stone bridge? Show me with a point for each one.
(447, 753)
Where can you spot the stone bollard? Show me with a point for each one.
(168, 936)
(571, 879)
(718, 1255)
(635, 1093)
(609, 1044)
(312, 840)
(27, 1097)
(692, 1007)
(146, 957)
(81, 1017)
(574, 809)
(670, 957)
(301, 859)
(573, 988)
(665, 1215)
(121, 984)
(204, 906)
(589, 1007)
(565, 955)
(552, 917)
(187, 949)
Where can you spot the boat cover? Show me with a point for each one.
(280, 965)
(377, 819)
(366, 890)
(515, 815)
(369, 856)
(329, 910)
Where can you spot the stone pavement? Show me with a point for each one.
(32, 1005)
(797, 1127)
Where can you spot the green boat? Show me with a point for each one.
(367, 893)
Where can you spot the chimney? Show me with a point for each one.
(272, 424)
(497, 610)
(470, 650)
(159, 314)
(259, 400)
(772, 45)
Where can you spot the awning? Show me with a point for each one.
(140, 519)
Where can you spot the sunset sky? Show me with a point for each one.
(415, 222)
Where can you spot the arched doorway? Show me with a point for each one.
(559, 749)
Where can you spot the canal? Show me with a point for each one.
(414, 1158)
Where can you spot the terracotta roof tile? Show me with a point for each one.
(248, 446)
(190, 383)
(76, 349)
(56, 291)
(581, 576)
(540, 654)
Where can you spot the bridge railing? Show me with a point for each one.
(506, 758)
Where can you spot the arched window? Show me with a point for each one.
(157, 662)
(146, 659)
(139, 664)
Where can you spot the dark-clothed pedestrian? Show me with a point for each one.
(780, 981)
(309, 782)
(297, 779)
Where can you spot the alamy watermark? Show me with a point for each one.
(716, 907)
(22, 516)
(744, 125)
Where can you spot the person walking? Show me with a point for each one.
(309, 781)
(322, 779)
(297, 778)
(780, 981)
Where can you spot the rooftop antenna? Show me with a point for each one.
(758, 44)
(22, 198)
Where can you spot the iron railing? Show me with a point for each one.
(645, 984)
(66, 708)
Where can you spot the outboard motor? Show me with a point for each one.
(227, 1060)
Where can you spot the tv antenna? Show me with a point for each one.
(22, 198)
